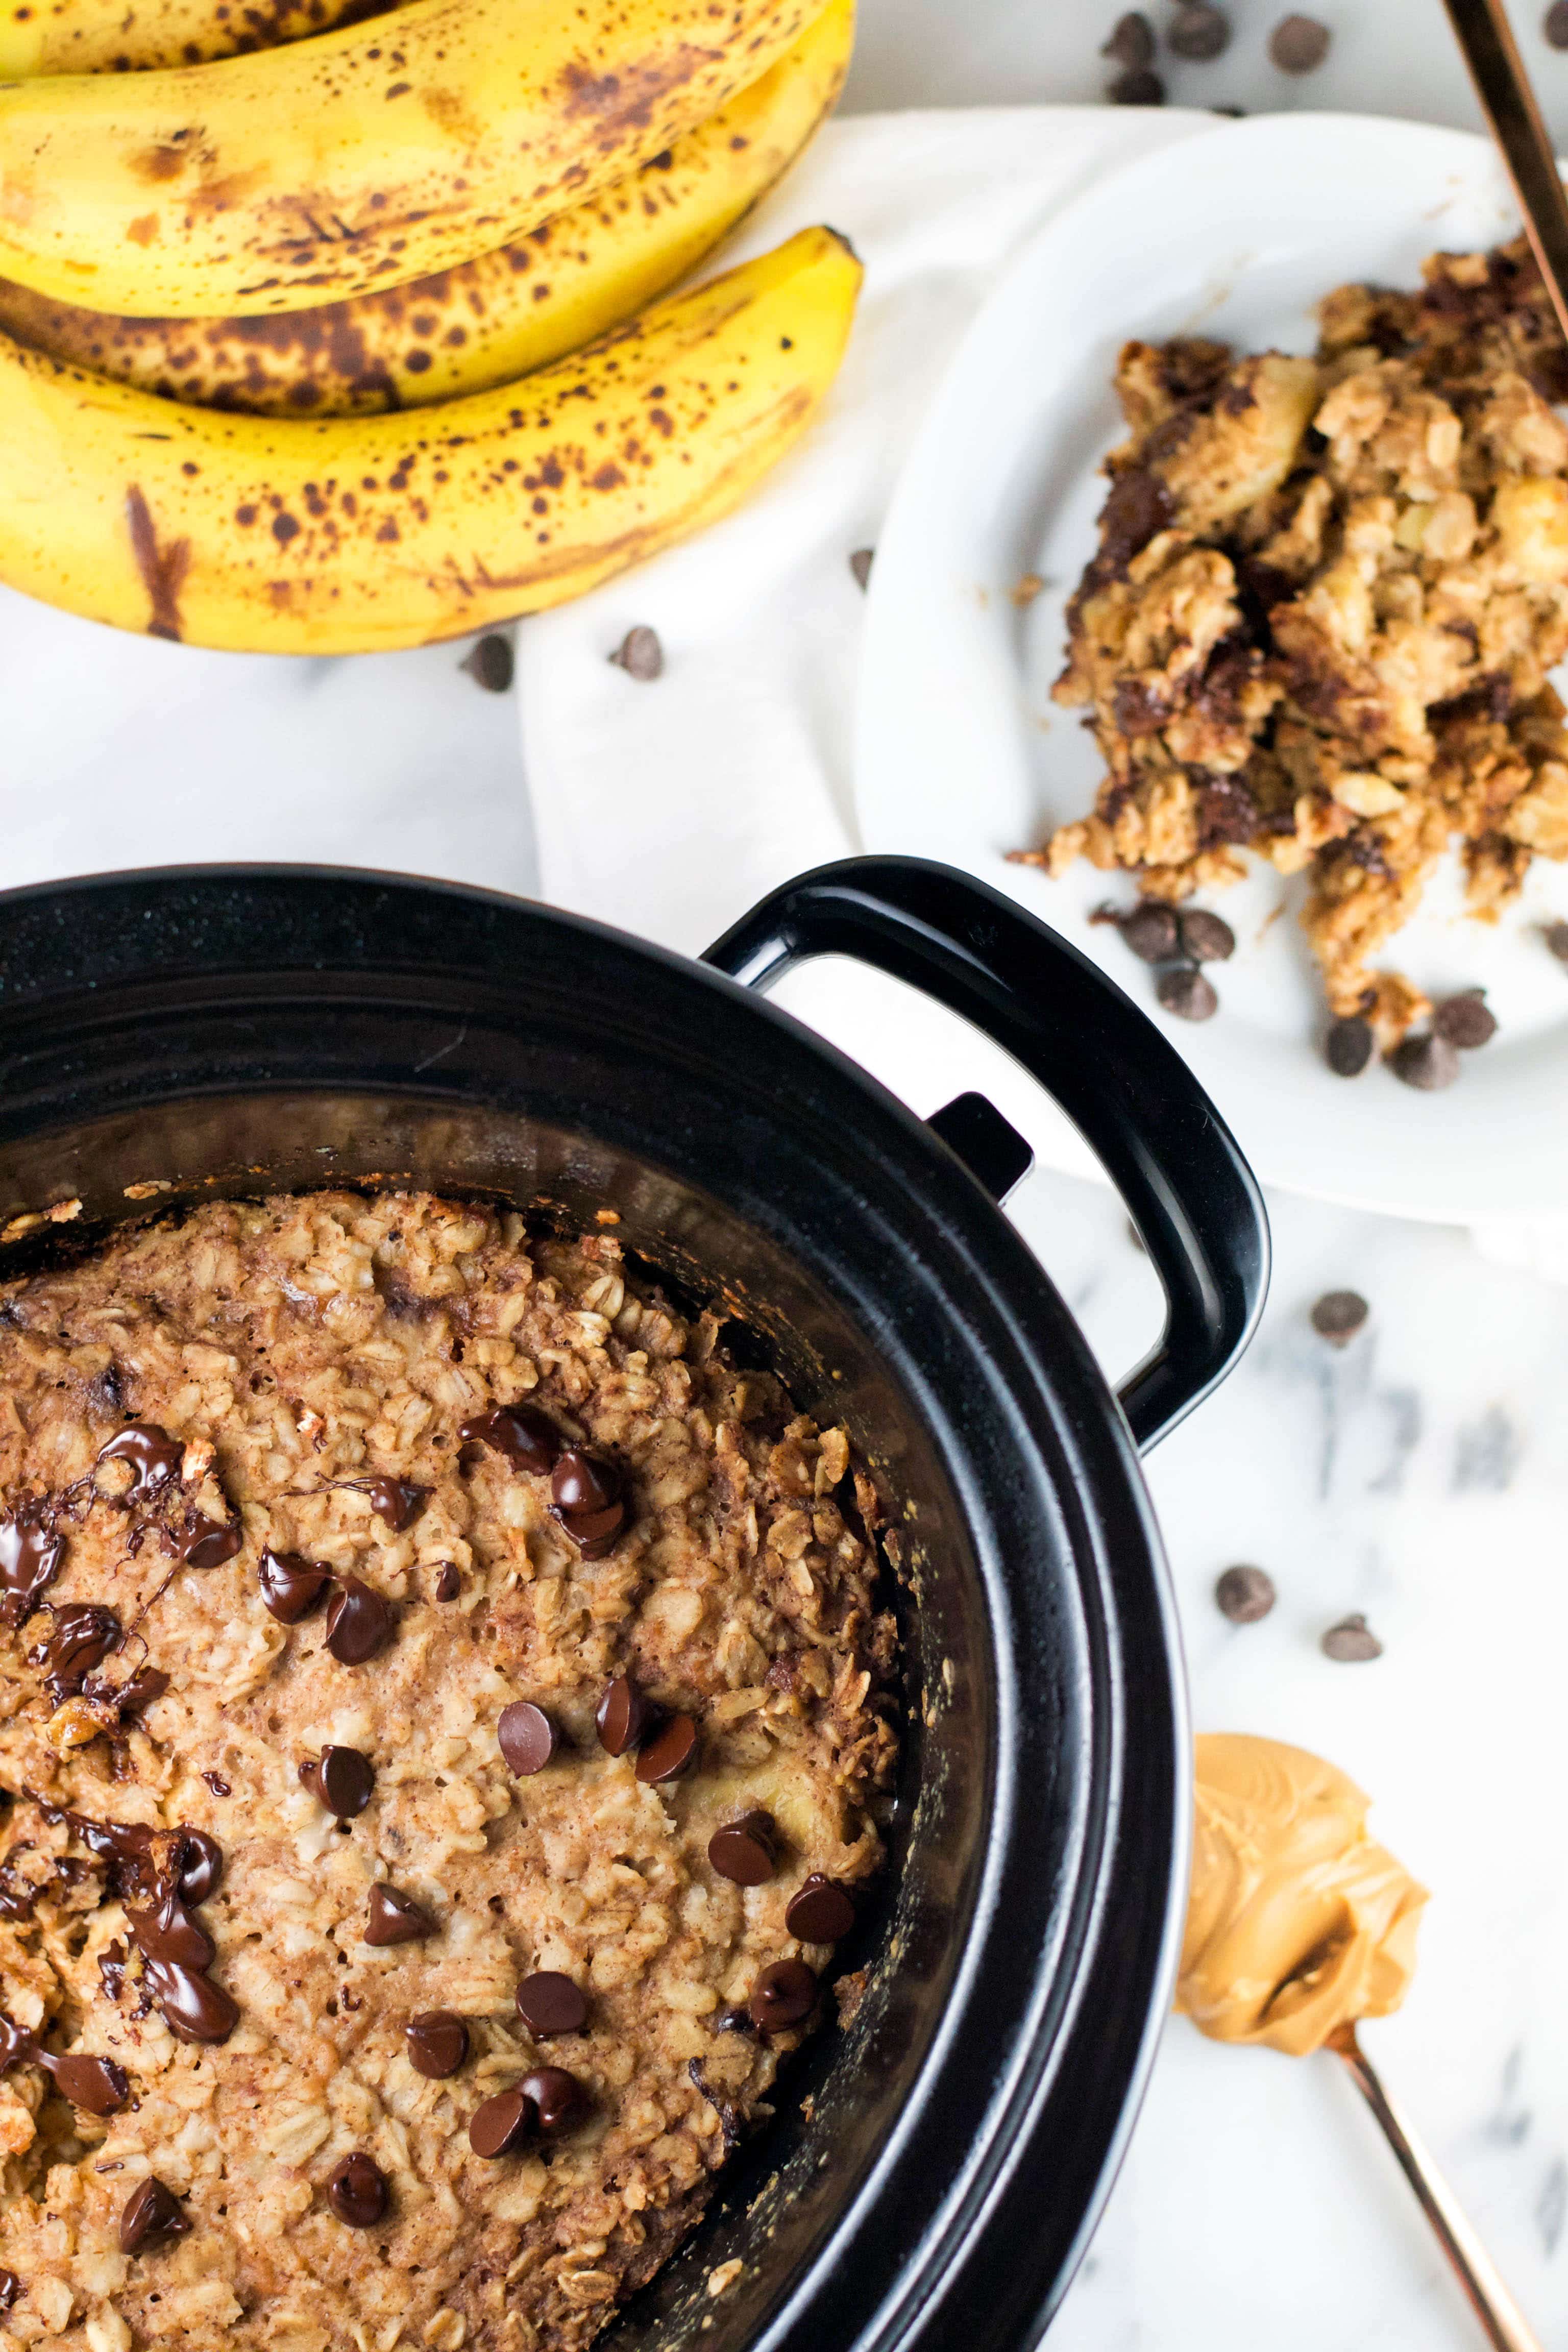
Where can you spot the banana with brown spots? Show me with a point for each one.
(359, 534)
(62, 37)
(367, 158)
(491, 320)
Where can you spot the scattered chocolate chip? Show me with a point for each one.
(523, 1437)
(168, 1932)
(1554, 25)
(1186, 993)
(1199, 31)
(1339, 1315)
(526, 1737)
(1428, 1063)
(860, 564)
(622, 1716)
(395, 1918)
(97, 2085)
(111, 1968)
(556, 2099)
(1299, 45)
(1153, 931)
(783, 1994)
(436, 2042)
(396, 1500)
(550, 2003)
(490, 663)
(1347, 1048)
(11, 2288)
(155, 1457)
(670, 1751)
(1139, 87)
(359, 1622)
(83, 1634)
(193, 2008)
(200, 1864)
(1556, 938)
(135, 1696)
(30, 1557)
(500, 2125)
(17, 2044)
(1464, 1020)
(357, 2190)
(580, 1484)
(595, 1533)
(218, 1784)
(1131, 41)
(640, 655)
(745, 1851)
(151, 2214)
(1206, 938)
(207, 1543)
(1245, 1595)
(819, 1912)
(449, 1582)
(734, 2021)
(1351, 1642)
(291, 1584)
(344, 1780)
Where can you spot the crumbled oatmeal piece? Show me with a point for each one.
(300, 1496)
(1327, 596)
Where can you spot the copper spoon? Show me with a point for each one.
(1508, 101)
(1505, 2323)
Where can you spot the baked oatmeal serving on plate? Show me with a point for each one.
(445, 1717)
(1319, 626)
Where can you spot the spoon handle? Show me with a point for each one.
(1505, 2323)
(1507, 101)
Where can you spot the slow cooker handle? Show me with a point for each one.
(1165, 1147)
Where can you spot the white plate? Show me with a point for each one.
(963, 756)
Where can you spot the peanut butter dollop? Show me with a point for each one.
(1297, 1921)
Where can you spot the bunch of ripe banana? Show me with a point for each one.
(355, 342)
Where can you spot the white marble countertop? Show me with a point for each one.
(1421, 1475)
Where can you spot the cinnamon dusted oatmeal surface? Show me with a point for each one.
(277, 2171)
(1327, 596)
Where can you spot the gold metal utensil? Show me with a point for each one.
(1508, 101)
(1505, 2323)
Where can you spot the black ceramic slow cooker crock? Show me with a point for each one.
(935, 2169)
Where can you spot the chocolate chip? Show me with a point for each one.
(1153, 931)
(550, 2003)
(1131, 41)
(595, 1533)
(396, 1500)
(671, 1750)
(860, 564)
(155, 1457)
(743, 1850)
(1339, 1315)
(134, 1697)
(580, 1484)
(782, 1996)
(1347, 1048)
(218, 1784)
(1206, 938)
(557, 2099)
(359, 1622)
(169, 1932)
(526, 1737)
(735, 2020)
(97, 2085)
(290, 1585)
(436, 2042)
(11, 2289)
(1464, 1020)
(490, 663)
(1199, 31)
(622, 1716)
(193, 2008)
(640, 655)
(1556, 938)
(449, 1582)
(1139, 87)
(344, 1780)
(200, 1864)
(500, 2125)
(819, 1912)
(1186, 993)
(151, 2214)
(30, 1557)
(521, 1436)
(395, 1918)
(1245, 1595)
(17, 2044)
(207, 1543)
(83, 1634)
(1554, 25)
(357, 2190)
(1299, 45)
(1351, 1642)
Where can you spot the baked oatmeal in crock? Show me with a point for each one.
(1327, 595)
(443, 1713)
